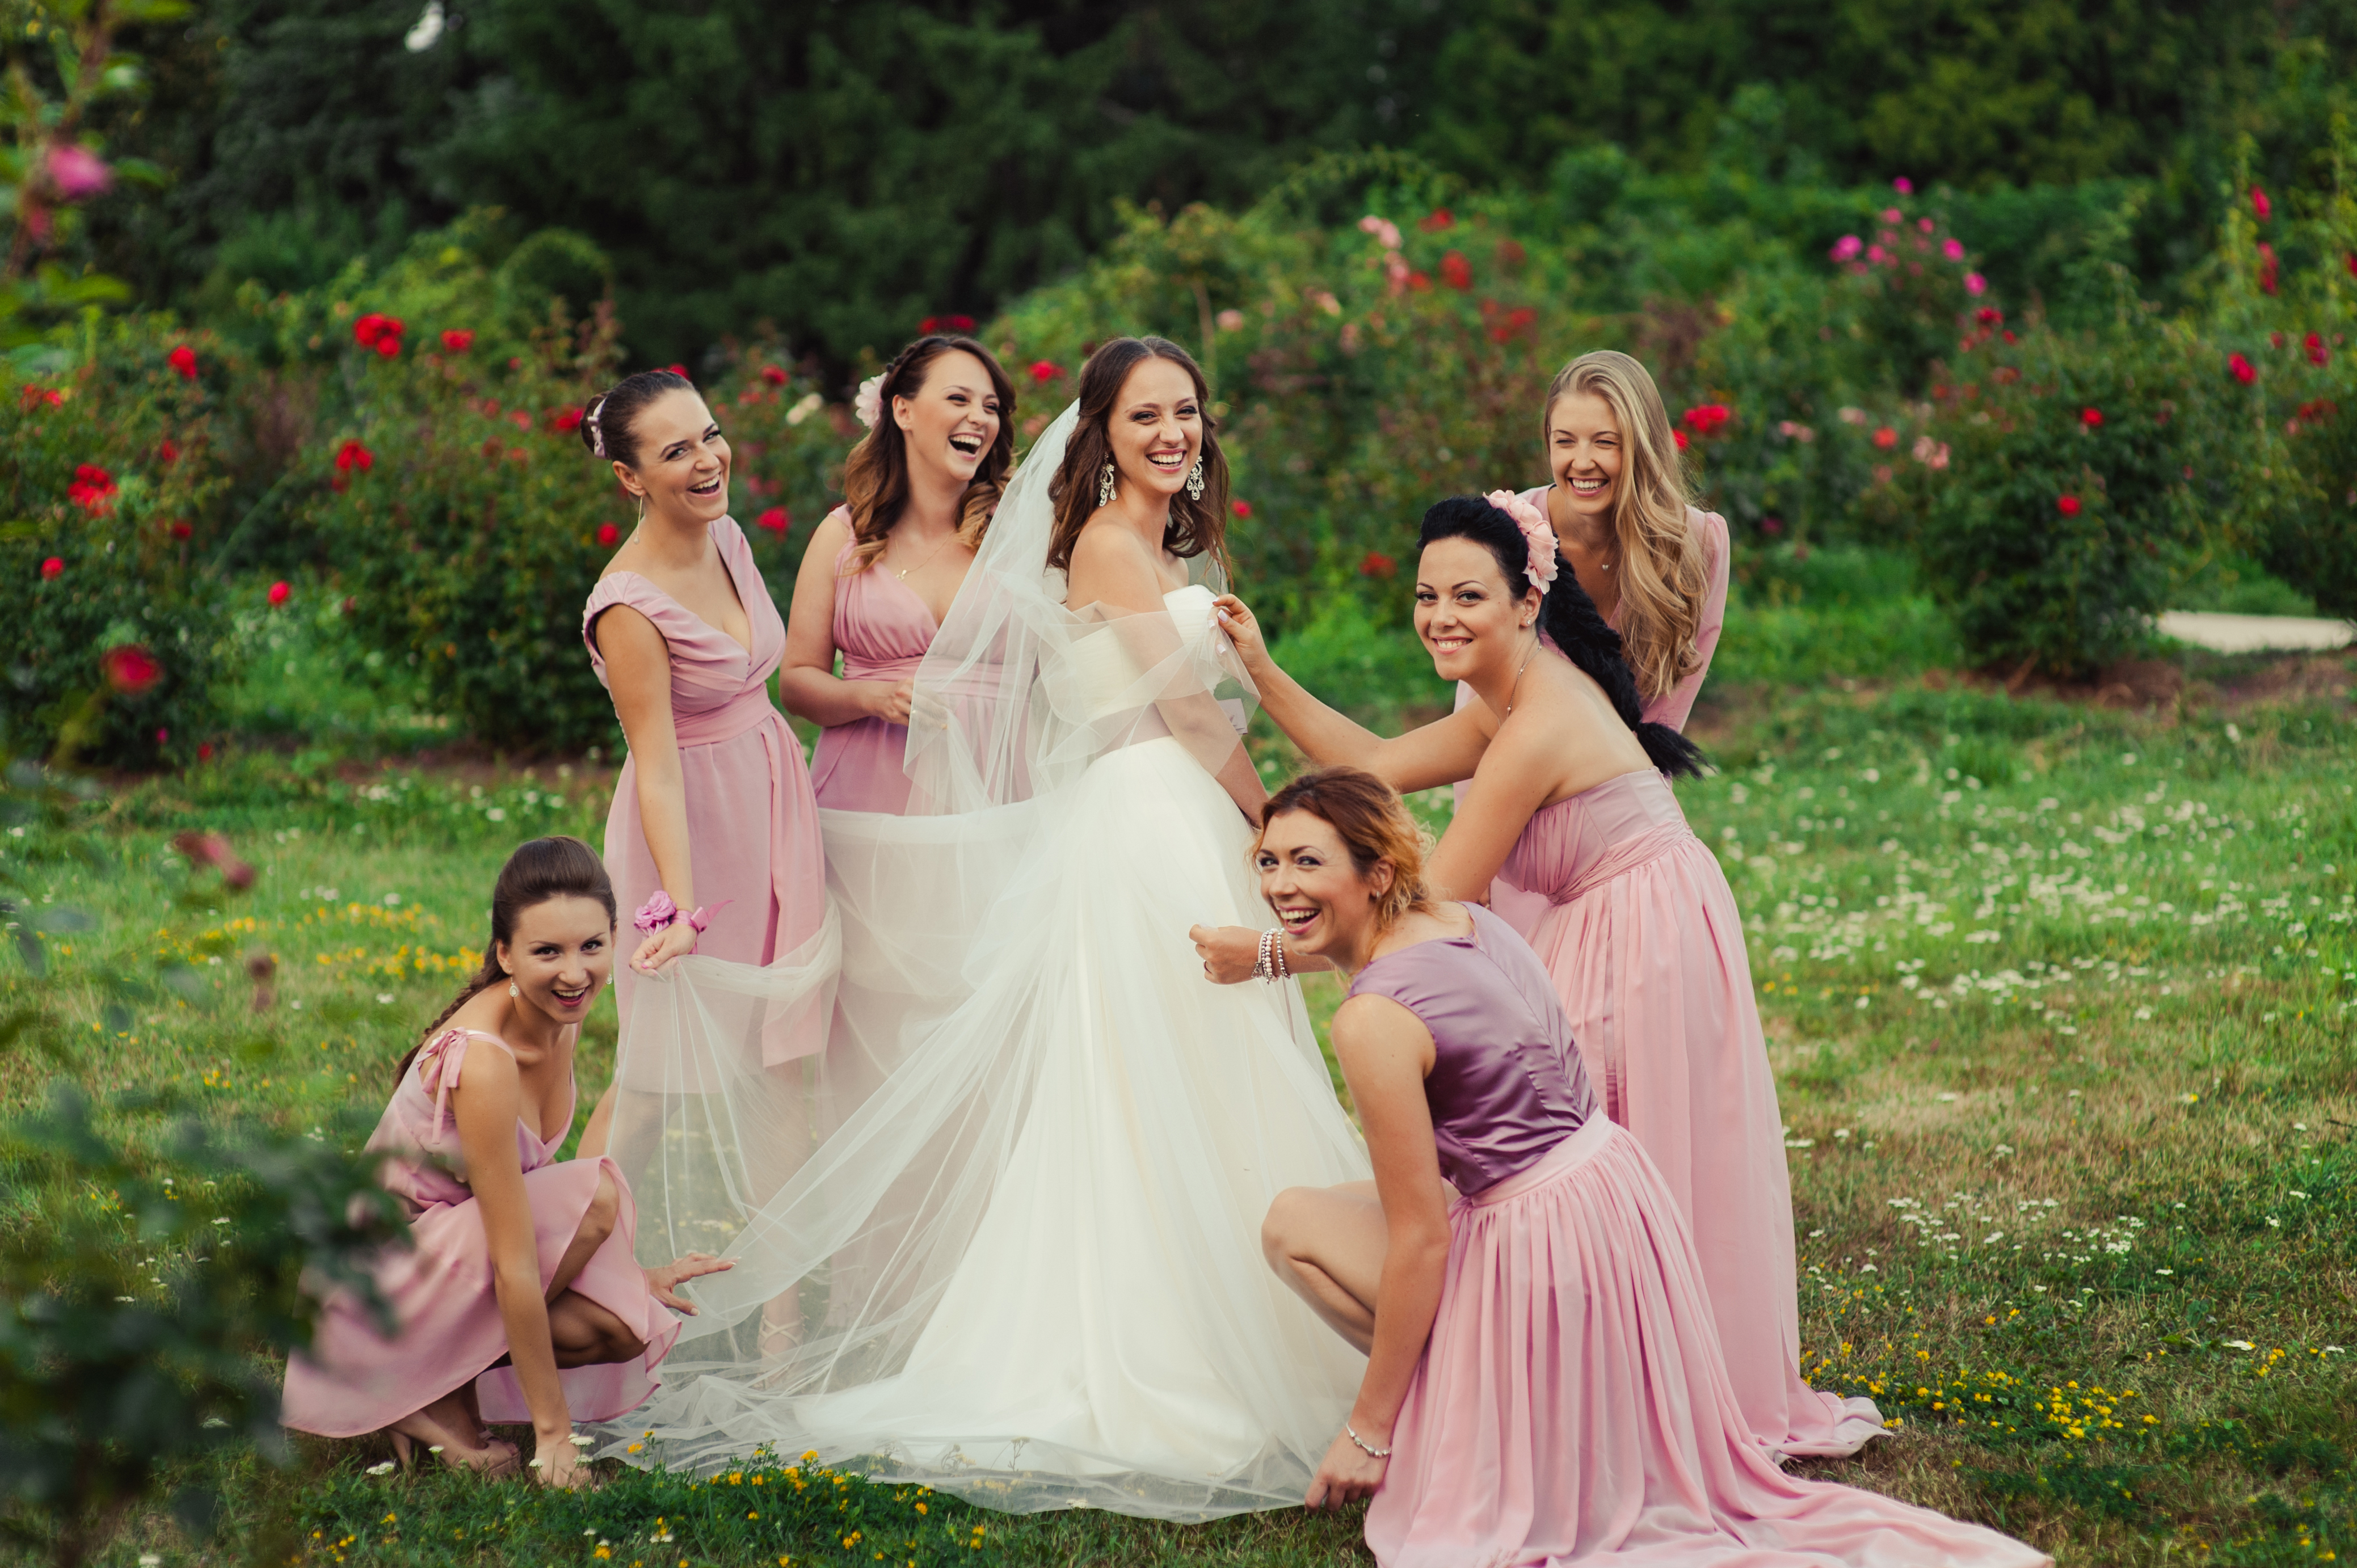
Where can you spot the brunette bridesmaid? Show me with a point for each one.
(1543, 1380)
(1571, 798)
(520, 1299)
(879, 576)
(712, 837)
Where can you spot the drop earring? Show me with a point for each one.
(513, 991)
(1104, 485)
(1195, 480)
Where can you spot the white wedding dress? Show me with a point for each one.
(1013, 1249)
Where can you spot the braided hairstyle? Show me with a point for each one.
(876, 475)
(1567, 618)
(606, 423)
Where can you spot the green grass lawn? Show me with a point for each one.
(2060, 1000)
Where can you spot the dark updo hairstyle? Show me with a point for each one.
(876, 475)
(1568, 617)
(555, 867)
(1197, 525)
(1374, 824)
(606, 423)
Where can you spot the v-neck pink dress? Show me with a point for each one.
(442, 1292)
(882, 629)
(752, 824)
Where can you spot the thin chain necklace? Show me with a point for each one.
(902, 571)
(1517, 686)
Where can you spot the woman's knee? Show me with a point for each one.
(1282, 1230)
(605, 1210)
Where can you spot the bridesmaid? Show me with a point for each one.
(1642, 933)
(878, 575)
(521, 1292)
(1655, 565)
(1542, 1382)
(714, 836)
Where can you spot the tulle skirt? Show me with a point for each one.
(1572, 1404)
(1022, 1262)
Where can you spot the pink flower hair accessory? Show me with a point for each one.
(869, 405)
(659, 912)
(1536, 532)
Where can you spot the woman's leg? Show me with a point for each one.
(597, 1224)
(587, 1335)
(1327, 1244)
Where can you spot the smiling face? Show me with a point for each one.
(1307, 875)
(1466, 617)
(1156, 428)
(1585, 453)
(561, 957)
(682, 467)
(950, 421)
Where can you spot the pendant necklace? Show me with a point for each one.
(903, 572)
(1517, 686)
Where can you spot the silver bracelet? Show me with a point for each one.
(1364, 1447)
(1277, 952)
(1261, 966)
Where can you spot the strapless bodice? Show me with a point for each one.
(1110, 658)
(1577, 845)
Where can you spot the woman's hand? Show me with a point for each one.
(892, 703)
(675, 940)
(1234, 616)
(1230, 953)
(663, 1283)
(556, 1461)
(1347, 1475)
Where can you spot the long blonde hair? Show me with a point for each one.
(1664, 578)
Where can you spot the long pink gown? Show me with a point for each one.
(752, 824)
(1572, 1405)
(447, 1310)
(1645, 945)
(882, 629)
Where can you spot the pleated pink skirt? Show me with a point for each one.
(1572, 1404)
(449, 1329)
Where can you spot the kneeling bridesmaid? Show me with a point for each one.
(1543, 1380)
(520, 1299)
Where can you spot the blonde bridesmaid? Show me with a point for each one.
(879, 573)
(1571, 799)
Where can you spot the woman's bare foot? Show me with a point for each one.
(419, 1429)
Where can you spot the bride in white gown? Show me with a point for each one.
(1022, 1263)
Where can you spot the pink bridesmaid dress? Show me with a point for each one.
(442, 1291)
(1572, 1404)
(882, 629)
(1646, 946)
(752, 825)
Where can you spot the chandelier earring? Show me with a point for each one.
(1104, 485)
(1194, 479)
(513, 990)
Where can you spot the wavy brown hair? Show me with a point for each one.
(876, 475)
(1196, 526)
(1663, 576)
(1374, 824)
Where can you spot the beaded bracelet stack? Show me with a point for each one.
(1271, 965)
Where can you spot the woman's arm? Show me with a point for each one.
(638, 670)
(485, 1102)
(1439, 753)
(1385, 1052)
(807, 683)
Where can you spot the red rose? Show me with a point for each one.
(1376, 564)
(1439, 218)
(168, 453)
(279, 592)
(369, 327)
(568, 419)
(2068, 506)
(182, 531)
(388, 346)
(2260, 205)
(1988, 316)
(926, 328)
(1680, 437)
(1419, 281)
(2242, 370)
(183, 360)
(53, 568)
(2318, 354)
(1886, 438)
(130, 668)
(351, 455)
(94, 490)
(608, 536)
(33, 397)
(775, 520)
(1705, 419)
(958, 323)
(2091, 417)
(1455, 271)
(205, 751)
(1045, 371)
(457, 339)
(1241, 508)
(774, 374)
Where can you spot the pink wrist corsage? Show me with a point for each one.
(659, 912)
(1537, 533)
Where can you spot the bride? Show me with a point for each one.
(1022, 1263)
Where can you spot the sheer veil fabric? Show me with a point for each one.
(1002, 1235)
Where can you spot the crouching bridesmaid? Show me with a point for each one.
(1543, 1380)
(521, 1300)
